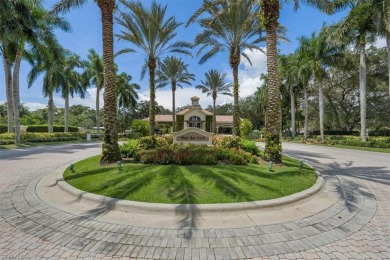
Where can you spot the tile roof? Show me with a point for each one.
(169, 118)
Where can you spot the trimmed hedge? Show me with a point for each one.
(3, 129)
(56, 129)
(193, 154)
(383, 132)
(334, 132)
(8, 138)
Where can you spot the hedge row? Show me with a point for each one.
(193, 154)
(8, 138)
(334, 132)
(3, 129)
(45, 129)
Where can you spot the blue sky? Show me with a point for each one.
(86, 34)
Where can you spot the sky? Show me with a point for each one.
(86, 34)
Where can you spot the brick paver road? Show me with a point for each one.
(356, 227)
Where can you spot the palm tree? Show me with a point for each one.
(151, 34)
(14, 19)
(235, 30)
(304, 74)
(382, 7)
(36, 29)
(54, 77)
(358, 28)
(320, 54)
(126, 92)
(289, 76)
(173, 71)
(73, 83)
(213, 85)
(110, 149)
(94, 75)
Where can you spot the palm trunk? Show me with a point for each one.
(8, 90)
(66, 112)
(50, 111)
(363, 96)
(152, 107)
(292, 111)
(16, 94)
(110, 151)
(306, 113)
(97, 110)
(234, 62)
(388, 57)
(173, 83)
(273, 145)
(321, 108)
(214, 124)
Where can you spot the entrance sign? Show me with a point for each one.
(192, 135)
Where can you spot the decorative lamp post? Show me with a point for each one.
(301, 164)
(270, 163)
(119, 164)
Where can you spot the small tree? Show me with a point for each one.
(245, 128)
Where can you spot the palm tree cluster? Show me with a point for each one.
(233, 26)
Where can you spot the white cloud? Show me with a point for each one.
(380, 42)
(89, 100)
(249, 76)
(31, 105)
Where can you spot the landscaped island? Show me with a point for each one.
(225, 181)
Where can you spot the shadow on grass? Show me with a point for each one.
(179, 185)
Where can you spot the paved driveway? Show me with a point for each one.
(357, 226)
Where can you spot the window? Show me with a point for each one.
(194, 121)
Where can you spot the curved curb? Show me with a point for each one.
(127, 206)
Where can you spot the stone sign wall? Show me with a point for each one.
(192, 136)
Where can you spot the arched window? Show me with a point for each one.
(194, 121)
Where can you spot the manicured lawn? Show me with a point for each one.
(190, 184)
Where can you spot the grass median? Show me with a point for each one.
(194, 184)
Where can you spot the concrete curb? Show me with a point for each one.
(144, 207)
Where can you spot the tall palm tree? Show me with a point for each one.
(304, 75)
(36, 30)
(54, 77)
(94, 75)
(213, 85)
(235, 30)
(173, 71)
(126, 92)
(382, 7)
(358, 28)
(14, 19)
(320, 54)
(151, 33)
(110, 149)
(289, 76)
(270, 10)
(72, 84)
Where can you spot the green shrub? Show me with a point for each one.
(3, 129)
(245, 128)
(140, 126)
(128, 149)
(226, 141)
(168, 138)
(250, 147)
(147, 143)
(7, 136)
(381, 132)
(161, 142)
(192, 154)
(56, 129)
